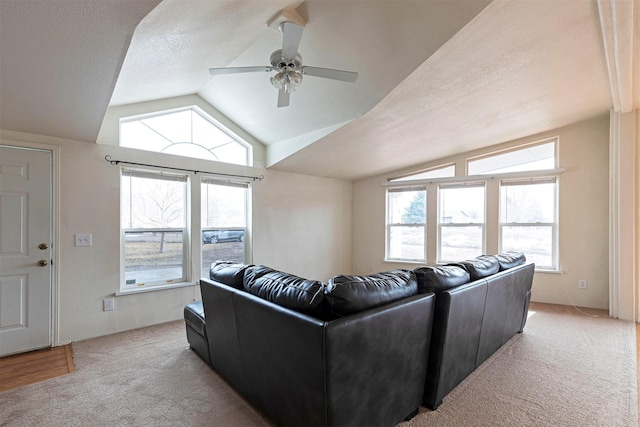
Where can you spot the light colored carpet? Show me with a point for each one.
(146, 377)
(566, 369)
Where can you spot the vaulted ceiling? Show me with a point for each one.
(435, 77)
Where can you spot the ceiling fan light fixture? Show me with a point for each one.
(287, 79)
(278, 81)
(295, 77)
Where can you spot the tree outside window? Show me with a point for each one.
(153, 228)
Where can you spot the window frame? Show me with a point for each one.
(441, 224)
(425, 174)
(514, 149)
(492, 231)
(246, 186)
(192, 234)
(390, 225)
(186, 237)
(554, 225)
(248, 161)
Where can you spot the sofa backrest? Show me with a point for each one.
(288, 290)
(442, 277)
(510, 259)
(480, 267)
(341, 296)
(346, 295)
(228, 272)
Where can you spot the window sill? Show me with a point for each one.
(541, 270)
(405, 261)
(143, 289)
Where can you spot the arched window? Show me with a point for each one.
(186, 132)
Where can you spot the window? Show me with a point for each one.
(437, 172)
(406, 221)
(154, 228)
(528, 219)
(224, 222)
(537, 156)
(461, 221)
(186, 132)
(507, 201)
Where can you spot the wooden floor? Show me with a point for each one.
(28, 368)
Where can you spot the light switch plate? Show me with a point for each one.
(83, 239)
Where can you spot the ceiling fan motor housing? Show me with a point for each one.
(278, 62)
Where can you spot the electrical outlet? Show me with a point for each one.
(108, 304)
(582, 284)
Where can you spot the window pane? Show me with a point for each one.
(152, 203)
(156, 202)
(460, 242)
(231, 153)
(224, 221)
(153, 256)
(175, 127)
(407, 207)
(462, 205)
(527, 203)
(189, 132)
(443, 172)
(535, 157)
(406, 242)
(223, 206)
(536, 242)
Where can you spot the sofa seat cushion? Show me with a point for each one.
(289, 291)
(440, 278)
(480, 267)
(510, 259)
(351, 294)
(229, 273)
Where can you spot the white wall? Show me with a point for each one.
(583, 216)
(309, 226)
(300, 224)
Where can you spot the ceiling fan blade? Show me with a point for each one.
(328, 73)
(236, 70)
(291, 36)
(283, 98)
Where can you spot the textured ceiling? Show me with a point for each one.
(59, 62)
(436, 77)
(516, 70)
(384, 41)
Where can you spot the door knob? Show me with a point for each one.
(43, 263)
(43, 246)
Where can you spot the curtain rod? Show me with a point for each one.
(117, 162)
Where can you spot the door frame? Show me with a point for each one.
(55, 224)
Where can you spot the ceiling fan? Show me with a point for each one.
(287, 61)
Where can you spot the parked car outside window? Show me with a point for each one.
(216, 236)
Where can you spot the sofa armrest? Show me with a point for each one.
(377, 362)
(224, 350)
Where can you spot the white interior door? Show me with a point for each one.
(25, 249)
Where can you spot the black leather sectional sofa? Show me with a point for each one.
(480, 305)
(358, 350)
